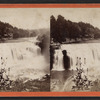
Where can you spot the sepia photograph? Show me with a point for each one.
(24, 50)
(75, 49)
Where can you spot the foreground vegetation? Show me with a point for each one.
(23, 85)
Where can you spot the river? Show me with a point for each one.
(22, 58)
(88, 54)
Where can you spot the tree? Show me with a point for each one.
(60, 36)
(75, 31)
(53, 27)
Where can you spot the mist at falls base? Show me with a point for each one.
(88, 51)
(24, 59)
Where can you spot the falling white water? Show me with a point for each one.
(23, 58)
(89, 54)
(58, 61)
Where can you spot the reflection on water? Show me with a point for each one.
(58, 79)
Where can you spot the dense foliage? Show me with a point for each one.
(7, 31)
(62, 29)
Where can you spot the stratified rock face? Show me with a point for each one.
(24, 59)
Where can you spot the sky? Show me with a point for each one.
(35, 18)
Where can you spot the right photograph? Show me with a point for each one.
(75, 49)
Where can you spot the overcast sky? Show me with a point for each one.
(34, 18)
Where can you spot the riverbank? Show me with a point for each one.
(23, 85)
(77, 42)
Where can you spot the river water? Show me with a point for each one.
(22, 58)
(88, 54)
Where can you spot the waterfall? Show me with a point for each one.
(86, 54)
(58, 61)
(23, 59)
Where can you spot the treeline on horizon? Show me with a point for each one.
(7, 31)
(62, 29)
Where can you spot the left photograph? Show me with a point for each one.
(24, 50)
